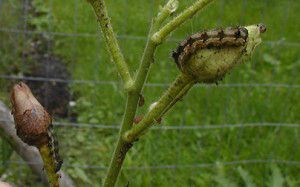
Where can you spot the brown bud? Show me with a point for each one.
(31, 119)
(141, 100)
(159, 120)
(138, 119)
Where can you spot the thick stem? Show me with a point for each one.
(132, 101)
(111, 41)
(122, 146)
(147, 60)
(148, 55)
(159, 36)
(133, 94)
(182, 93)
(49, 165)
(153, 115)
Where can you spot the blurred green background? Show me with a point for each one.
(260, 98)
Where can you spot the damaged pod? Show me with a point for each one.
(33, 123)
(31, 119)
(209, 55)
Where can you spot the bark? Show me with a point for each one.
(29, 154)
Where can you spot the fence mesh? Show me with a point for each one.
(250, 120)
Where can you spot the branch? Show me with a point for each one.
(30, 154)
(148, 55)
(133, 94)
(165, 12)
(168, 98)
(111, 41)
(133, 97)
(181, 94)
(122, 146)
(159, 36)
(156, 37)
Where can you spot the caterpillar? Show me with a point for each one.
(54, 151)
(228, 37)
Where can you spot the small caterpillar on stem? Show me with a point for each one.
(53, 145)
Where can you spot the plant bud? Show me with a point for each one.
(208, 56)
(31, 119)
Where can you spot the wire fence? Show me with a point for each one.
(181, 126)
(112, 83)
(142, 38)
(173, 167)
(177, 127)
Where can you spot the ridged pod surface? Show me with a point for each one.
(209, 55)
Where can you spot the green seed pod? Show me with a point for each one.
(208, 56)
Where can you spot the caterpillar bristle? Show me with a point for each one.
(216, 38)
(58, 166)
(54, 149)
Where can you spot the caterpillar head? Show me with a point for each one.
(208, 56)
(254, 39)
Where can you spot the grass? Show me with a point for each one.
(272, 63)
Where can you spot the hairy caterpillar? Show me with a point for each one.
(53, 145)
(228, 37)
(208, 56)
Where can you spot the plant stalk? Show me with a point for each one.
(111, 41)
(132, 103)
(155, 113)
(188, 13)
(49, 165)
(122, 146)
(136, 87)
(182, 93)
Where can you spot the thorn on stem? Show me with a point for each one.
(158, 121)
(141, 100)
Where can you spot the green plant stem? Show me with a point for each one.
(155, 113)
(49, 165)
(122, 146)
(111, 41)
(156, 38)
(159, 36)
(182, 93)
(133, 94)
(165, 12)
(131, 107)
(132, 102)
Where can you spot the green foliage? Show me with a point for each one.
(104, 104)
(247, 178)
(276, 180)
(40, 15)
(5, 153)
(221, 178)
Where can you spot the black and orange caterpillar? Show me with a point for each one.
(54, 149)
(228, 37)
